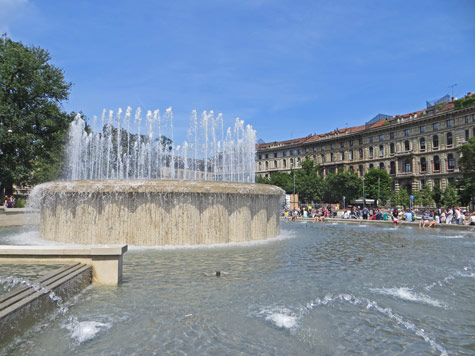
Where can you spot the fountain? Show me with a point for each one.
(142, 189)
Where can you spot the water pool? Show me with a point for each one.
(318, 289)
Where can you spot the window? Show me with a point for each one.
(351, 155)
(260, 156)
(422, 129)
(332, 157)
(423, 165)
(422, 144)
(371, 152)
(370, 139)
(299, 151)
(450, 162)
(342, 156)
(391, 135)
(381, 165)
(381, 150)
(323, 148)
(360, 141)
(267, 156)
(351, 142)
(361, 170)
(473, 117)
(323, 158)
(260, 165)
(291, 163)
(284, 163)
(391, 148)
(342, 144)
(407, 166)
(407, 132)
(436, 164)
(307, 149)
(435, 126)
(392, 168)
(332, 146)
(284, 154)
(291, 152)
(267, 165)
(406, 146)
(450, 123)
(275, 154)
(449, 139)
(381, 138)
(275, 164)
(435, 141)
(315, 149)
(466, 119)
(361, 153)
(371, 166)
(298, 162)
(467, 135)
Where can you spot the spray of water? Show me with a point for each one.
(113, 151)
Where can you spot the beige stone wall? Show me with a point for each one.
(153, 213)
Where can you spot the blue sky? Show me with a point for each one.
(288, 68)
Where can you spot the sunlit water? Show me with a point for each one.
(318, 289)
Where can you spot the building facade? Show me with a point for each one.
(415, 149)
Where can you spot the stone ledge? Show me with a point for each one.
(106, 260)
(25, 304)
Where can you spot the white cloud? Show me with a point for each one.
(10, 12)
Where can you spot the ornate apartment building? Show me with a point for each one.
(415, 149)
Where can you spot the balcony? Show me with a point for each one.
(405, 174)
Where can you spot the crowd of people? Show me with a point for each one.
(429, 217)
(9, 201)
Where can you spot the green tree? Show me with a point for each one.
(417, 197)
(450, 196)
(427, 196)
(378, 183)
(400, 198)
(467, 166)
(33, 127)
(309, 185)
(437, 195)
(342, 184)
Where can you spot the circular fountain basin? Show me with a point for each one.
(157, 212)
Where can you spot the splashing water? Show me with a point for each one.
(114, 152)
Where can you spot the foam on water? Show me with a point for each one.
(280, 316)
(85, 330)
(407, 294)
(31, 237)
(283, 236)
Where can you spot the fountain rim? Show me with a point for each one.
(158, 186)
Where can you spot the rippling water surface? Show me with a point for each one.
(318, 289)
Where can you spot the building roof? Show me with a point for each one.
(353, 129)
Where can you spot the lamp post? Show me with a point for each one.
(293, 170)
(364, 196)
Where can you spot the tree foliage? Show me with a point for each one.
(309, 184)
(450, 196)
(33, 127)
(378, 185)
(467, 167)
(342, 184)
(427, 196)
